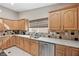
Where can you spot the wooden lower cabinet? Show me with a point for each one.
(75, 52)
(34, 48)
(5, 42)
(8, 42)
(61, 50)
(27, 45)
(60, 53)
(13, 40)
(68, 51)
(17, 41)
(21, 42)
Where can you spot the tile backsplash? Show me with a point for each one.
(68, 35)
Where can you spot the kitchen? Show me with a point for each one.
(42, 29)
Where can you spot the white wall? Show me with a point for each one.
(35, 13)
(8, 14)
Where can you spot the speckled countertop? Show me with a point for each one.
(60, 41)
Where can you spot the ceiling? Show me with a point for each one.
(18, 7)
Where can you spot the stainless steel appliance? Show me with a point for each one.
(46, 49)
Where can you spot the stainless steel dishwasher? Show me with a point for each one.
(46, 49)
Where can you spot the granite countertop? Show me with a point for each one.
(60, 41)
(52, 40)
(26, 36)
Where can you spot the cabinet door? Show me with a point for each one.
(21, 24)
(11, 24)
(60, 50)
(12, 40)
(21, 42)
(54, 21)
(75, 51)
(34, 48)
(17, 41)
(0, 44)
(68, 51)
(5, 42)
(63, 50)
(26, 25)
(78, 18)
(1, 25)
(69, 19)
(27, 45)
(8, 43)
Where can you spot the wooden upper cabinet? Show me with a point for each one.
(1, 25)
(10, 24)
(27, 24)
(69, 19)
(64, 19)
(16, 24)
(21, 24)
(78, 18)
(54, 21)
